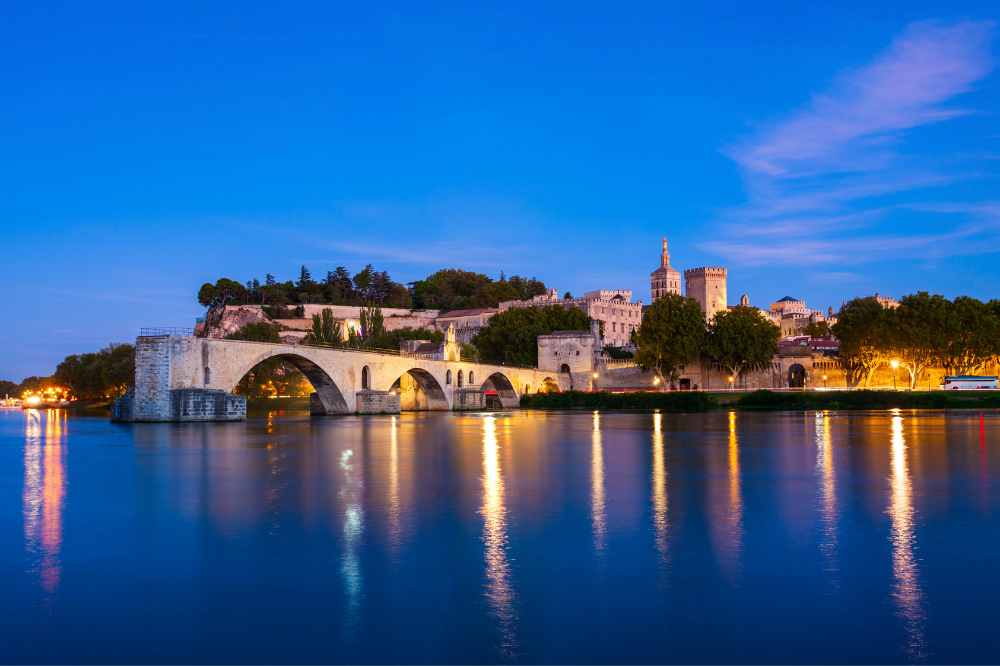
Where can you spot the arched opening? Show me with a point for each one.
(472, 380)
(419, 391)
(366, 382)
(290, 375)
(796, 376)
(459, 379)
(499, 393)
(447, 377)
(549, 385)
(564, 369)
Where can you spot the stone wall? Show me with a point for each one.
(207, 405)
(151, 400)
(377, 402)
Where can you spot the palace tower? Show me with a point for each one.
(665, 279)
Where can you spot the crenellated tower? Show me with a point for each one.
(707, 285)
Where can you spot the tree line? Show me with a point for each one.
(925, 331)
(448, 289)
(103, 374)
(674, 334)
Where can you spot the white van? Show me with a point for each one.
(969, 383)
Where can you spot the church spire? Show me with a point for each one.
(664, 255)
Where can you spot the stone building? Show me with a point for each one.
(571, 355)
(707, 285)
(467, 322)
(665, 279)
(615, 311)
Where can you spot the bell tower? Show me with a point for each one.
(665, 279)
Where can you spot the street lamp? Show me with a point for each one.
(731, 380)
(894, 363)
(593, 384)
(824, 381)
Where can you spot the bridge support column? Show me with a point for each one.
(468, 399)
(377, 402)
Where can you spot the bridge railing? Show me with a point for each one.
(159, 331)
(153, 331)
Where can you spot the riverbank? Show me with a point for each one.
(697, 401)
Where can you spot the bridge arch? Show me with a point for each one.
(499, 387)
(418, 390)
(327, 393)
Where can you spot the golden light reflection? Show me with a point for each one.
(394, 508)
(659, 488)
(906, 589)
(728, 530)
(828, 490)
(499, 593)
(32, 494)
(44, 493)
(598, 511)
(350, 494)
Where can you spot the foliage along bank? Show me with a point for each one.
(700, 401)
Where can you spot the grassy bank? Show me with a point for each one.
(869, 400)
(688, 401)
(764, 400)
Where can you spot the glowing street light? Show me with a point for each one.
(824, 381)
(731, 380)
(894, 363)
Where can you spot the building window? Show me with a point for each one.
(460, 379)
(208, 375)
(471, 380)
(365, 380)
(447, 377)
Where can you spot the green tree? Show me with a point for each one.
(325, 329)
(671, 335)
(223, 292)
(971, 335)
(8, 388)
(305, 278)
(257, 332)
(862, 329)
(512, 337)
(918, 332)
(107, 373)
(740, 340)
(372, 323)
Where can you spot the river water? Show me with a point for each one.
(510, 537)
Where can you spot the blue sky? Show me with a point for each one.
(818, 151)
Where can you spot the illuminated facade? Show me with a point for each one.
(665, 279)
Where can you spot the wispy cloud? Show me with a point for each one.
(822, 181)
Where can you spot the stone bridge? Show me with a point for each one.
(186, 378)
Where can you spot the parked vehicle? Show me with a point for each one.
(969, 383)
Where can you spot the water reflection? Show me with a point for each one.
(659, 482)
(43, 495)
(598, 510)
(499, 593)
(395, 537)
(827, 493)
(727, 528)
(906, 588)
(350, 495)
